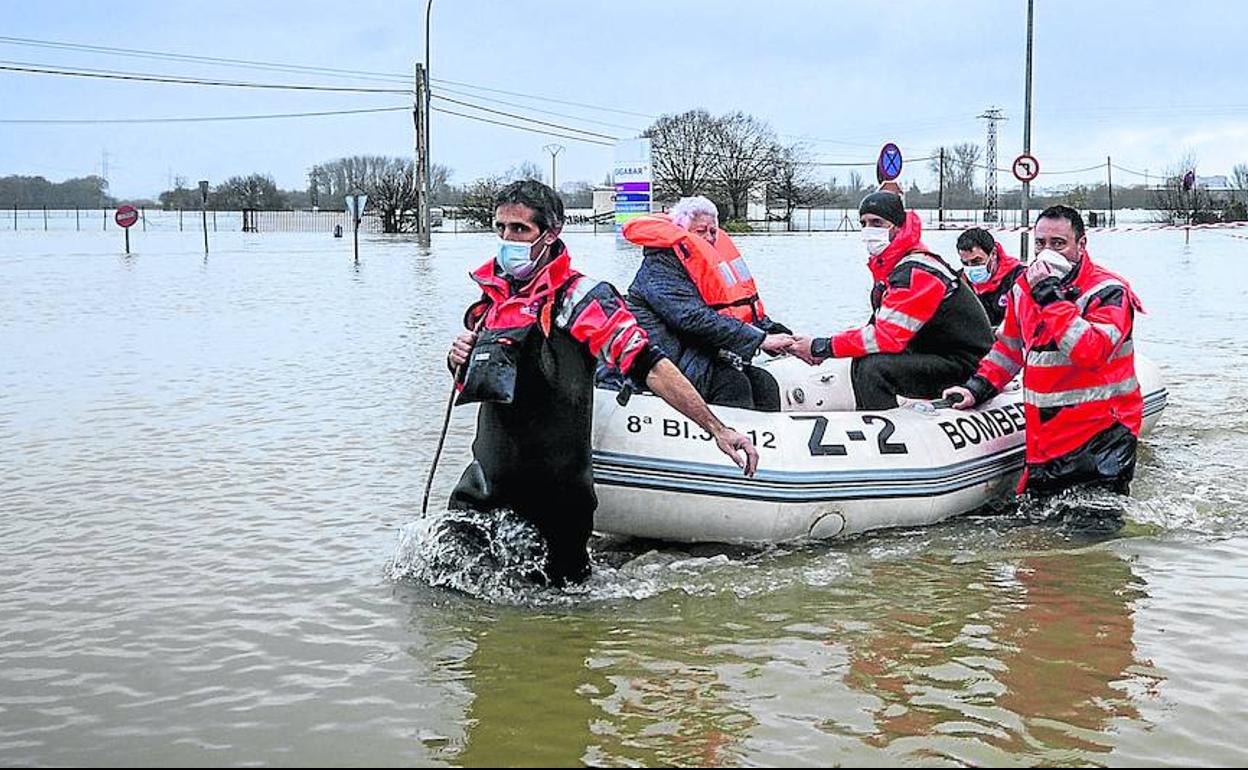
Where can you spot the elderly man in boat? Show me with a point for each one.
(927, 329)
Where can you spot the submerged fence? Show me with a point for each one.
(803, 220)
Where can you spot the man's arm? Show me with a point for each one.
(670, 385)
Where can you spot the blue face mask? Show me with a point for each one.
(515, 258)
(978, 273)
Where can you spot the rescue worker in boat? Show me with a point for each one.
(927, 330)
(990, 270)
(528, 356)
(1068, 328)
(696, 298)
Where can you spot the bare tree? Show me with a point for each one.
(1239, 177)
(523, 170)
(681, 146)
(791, 184)
(856, 184)
(389, 182)
(478, 204)
(745, 156)
(1176, 203)
(965, 160)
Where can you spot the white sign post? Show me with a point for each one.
(634, 170)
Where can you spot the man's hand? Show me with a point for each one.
(800, 347)
(735, 444)
(776, 344)
(461, 348)
(967, 398)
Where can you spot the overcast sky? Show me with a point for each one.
(1143, 81)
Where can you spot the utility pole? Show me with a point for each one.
(419, 116)
(992, 115)
(1109, 174)
(940, 198)
(554, 150)
(1026, 234)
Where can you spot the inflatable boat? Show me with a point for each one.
(824, 471)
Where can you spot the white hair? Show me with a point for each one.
(688, 209)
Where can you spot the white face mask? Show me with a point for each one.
(875, 239)
(1059, 265)
(515, 258)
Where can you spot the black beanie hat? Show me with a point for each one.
(884, 204)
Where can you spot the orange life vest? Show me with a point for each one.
(718, 270)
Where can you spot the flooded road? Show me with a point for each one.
(208, 464)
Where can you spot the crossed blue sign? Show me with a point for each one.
(888, 167)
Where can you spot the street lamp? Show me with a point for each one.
(553, 149)
(426, 224)
(356, 202)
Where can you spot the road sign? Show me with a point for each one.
(1026, 168)
(888, 167)
(126, 216)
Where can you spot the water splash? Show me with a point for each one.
(496, 555)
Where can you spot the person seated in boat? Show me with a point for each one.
(695, 297)
(990, 270)
(927, 330)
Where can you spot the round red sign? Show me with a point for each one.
(126, 216)
(1026, 168)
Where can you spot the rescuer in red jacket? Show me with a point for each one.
(1068, 328)
(927, 329)
(533, 341)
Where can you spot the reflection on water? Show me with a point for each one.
(1022, 657)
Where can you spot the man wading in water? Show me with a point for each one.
(543, 328)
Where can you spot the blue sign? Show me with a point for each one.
(630, 207)
(888, 167)
(621, 197)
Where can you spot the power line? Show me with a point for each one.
(214, 118)
(494, 100)
(527, 119)
(543, 98)
(167, 56)
(521, 128)
(114, 75)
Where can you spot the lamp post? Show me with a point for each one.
(356, 202)
(427, 184)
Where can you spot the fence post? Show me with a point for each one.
(214, 220)
(143, 216)
(45, 219)
(14, 217)
(179, 219)
(77, 220)
(104, 213)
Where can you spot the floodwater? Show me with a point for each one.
(210, 550)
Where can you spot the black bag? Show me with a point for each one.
(492, 366)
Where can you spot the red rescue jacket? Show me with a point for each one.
(1077, 359)
(592, 312)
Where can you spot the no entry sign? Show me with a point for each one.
(126, 216)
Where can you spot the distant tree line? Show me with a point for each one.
(37, 192)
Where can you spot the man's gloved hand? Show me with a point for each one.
(1046, 291)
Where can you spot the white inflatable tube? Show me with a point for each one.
(822, 474)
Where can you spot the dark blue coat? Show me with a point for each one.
(669, 307)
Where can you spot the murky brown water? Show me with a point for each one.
(207, 465)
